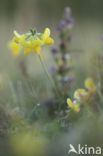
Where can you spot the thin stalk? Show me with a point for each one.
(47, 73)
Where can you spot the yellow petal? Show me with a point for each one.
(27, 50)
(70, 103)
(37, 49)
(46, 33)
(27, 44)
(76, 108)
(90, 85)
(37, 42)
(15, 48)
(80, 93)
(49, 41)
(73, 105)
(21, 39)
(16, 34)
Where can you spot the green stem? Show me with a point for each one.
(47, 73)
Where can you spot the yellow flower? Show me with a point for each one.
(46, 37)
(90, 85)
(15, 48)
(73, 105)
(30, 42)
(27, 50)
(80, 94)
(37, 46)
(27, 47)
(19, 38)
(32, 46)
(16, 43)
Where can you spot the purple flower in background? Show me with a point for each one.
(61, 25)
(52, 70)
(70, 23)
(67, 21)
(68, 79)
(54, 50)
(61, 53)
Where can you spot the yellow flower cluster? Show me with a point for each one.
(30, 42)
(82, 95)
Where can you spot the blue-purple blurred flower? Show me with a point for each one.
(52, 70)
(67, 21)
(61, 53)
(54, 49)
